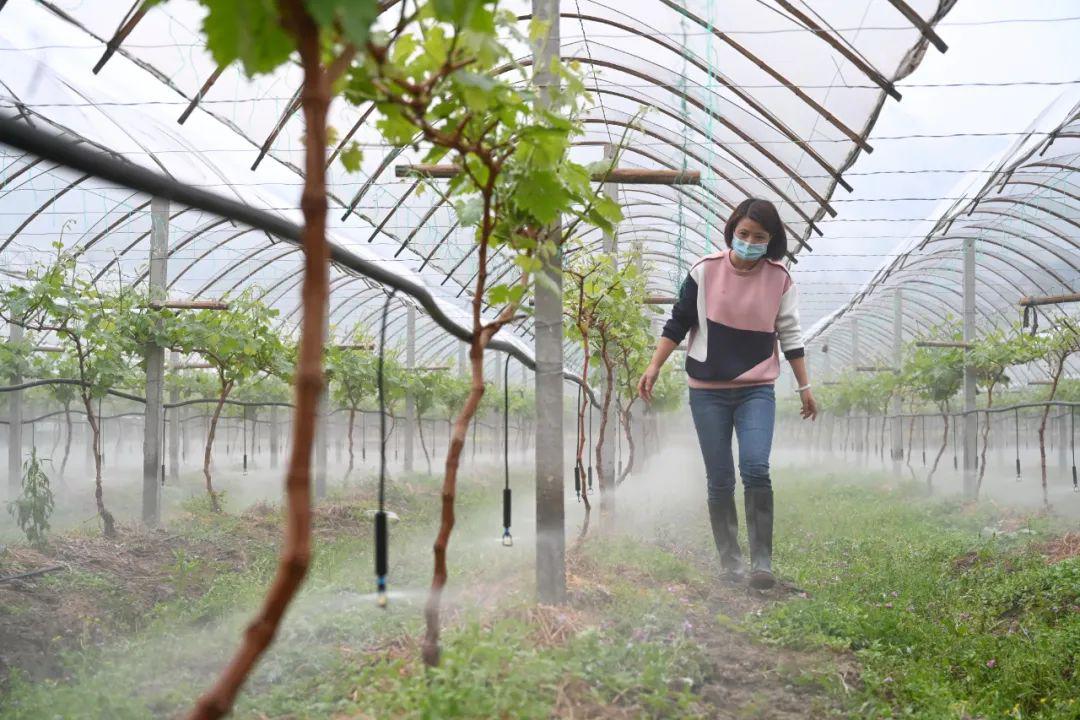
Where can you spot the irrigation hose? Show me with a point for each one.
(381, 538)
(955, 424)
(589, 490)
(923, 440)
(162, 449)
(577, 461)
(507, 538)
(618, 440)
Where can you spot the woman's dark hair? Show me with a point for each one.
(763, 213)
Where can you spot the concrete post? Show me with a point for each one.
(1063, 440)
(550, 463)
(410, 401)
(153, 420)
(897, 432)
(611, 428)
(174, 427)
(15, 420)
(856, 356)
(275, 435)
(970, 419)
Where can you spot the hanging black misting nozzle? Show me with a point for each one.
(381, 558)
(507, 538)
(382, 540)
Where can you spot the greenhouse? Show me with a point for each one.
(388, 359)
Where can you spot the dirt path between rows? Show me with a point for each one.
(752, 679)
(757, 680)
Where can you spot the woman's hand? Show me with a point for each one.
(809, 405)
(645, 384)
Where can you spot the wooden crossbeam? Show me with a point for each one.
(942, 344)
(190, 305)
(192, 366)
(121, 34)
(1031, 301)
(660, 300)
(623, 176)
(368, 346)
(874, 369)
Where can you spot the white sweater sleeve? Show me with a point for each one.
(787, 325)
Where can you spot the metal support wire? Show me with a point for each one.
(923, 439)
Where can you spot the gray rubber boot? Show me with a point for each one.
(759, 526)
(725, 529)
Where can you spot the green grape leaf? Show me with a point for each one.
(248, 31)
(352, 156)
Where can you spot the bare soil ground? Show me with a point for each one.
(105, 588)
(1061, 548)
(748, 678)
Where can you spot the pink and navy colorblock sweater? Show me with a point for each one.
(734, 318)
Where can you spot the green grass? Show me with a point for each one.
(494, 668)
(947, 622)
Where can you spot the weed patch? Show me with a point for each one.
(947, 620)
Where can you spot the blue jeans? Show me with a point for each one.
(751, 412)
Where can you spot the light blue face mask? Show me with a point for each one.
(748, 251)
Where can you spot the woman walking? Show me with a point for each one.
(735, 305)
